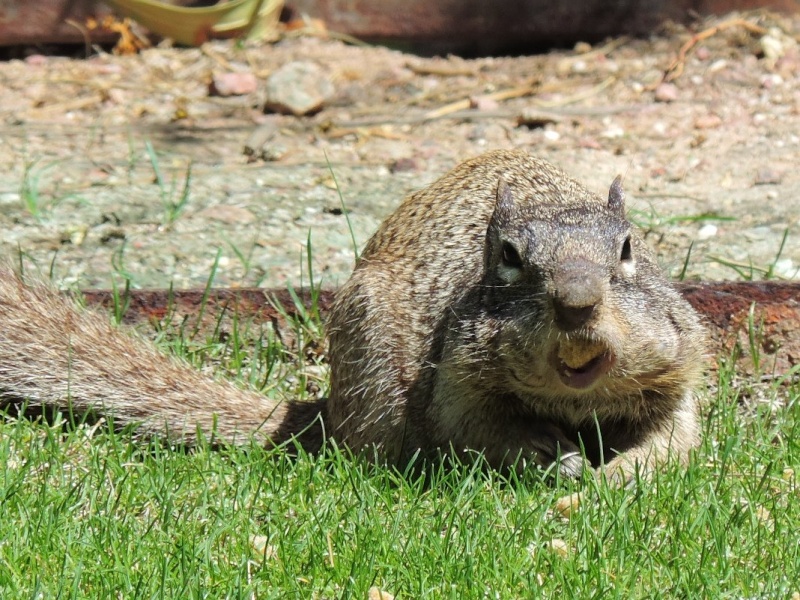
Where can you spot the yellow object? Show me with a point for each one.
(577, 354)
(191, 26)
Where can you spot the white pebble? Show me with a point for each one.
(552, 135)
(785, 268)
(707, 231)
(615, 131)
(718, 65)
(579, 66)
(9, 198)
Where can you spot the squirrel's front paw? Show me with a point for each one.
(553, 448)
(572, 464)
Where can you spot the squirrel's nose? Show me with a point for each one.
(569, 318)
(578, 290)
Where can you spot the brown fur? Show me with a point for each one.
(447, 335)
(53, 352)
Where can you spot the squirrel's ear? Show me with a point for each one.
(503, 207)
(505, 199)
(616, 196)
(500, 219)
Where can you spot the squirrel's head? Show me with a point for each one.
(565, 276)
(569, 249)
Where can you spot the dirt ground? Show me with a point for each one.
(709, 159)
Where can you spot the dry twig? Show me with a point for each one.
(466, 103)
(675, 69)
(528, 90)
(441, 70)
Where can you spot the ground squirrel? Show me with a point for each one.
(503, 309)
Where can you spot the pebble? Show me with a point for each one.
(534, 118)
(708, 122)
(666, 92)
(566, 506)
(776, 44)
(551, 135)
(232, 84)
(660, 128)
(9, 198)
(582, 47)
(707, 231)
(785, 268)
(36, 60)
(717, 65)
(558, 547)
(614, 131)
(771, 80)
(579, 66)
(298, 88)
(403, 164)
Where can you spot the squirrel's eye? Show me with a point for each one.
(511, 257)
(625, 254)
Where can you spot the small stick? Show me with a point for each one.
(465, 104)
(519, 92)
(675, 69)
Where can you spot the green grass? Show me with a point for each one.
(92, 513)
(173, 199)
(38, 193)
(749, 271)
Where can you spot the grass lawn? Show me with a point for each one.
(93, 513)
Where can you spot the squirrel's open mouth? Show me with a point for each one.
(585, 375)
(581, 364)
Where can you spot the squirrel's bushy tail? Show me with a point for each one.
(55, 353)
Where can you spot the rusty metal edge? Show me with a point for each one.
(742, 317)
